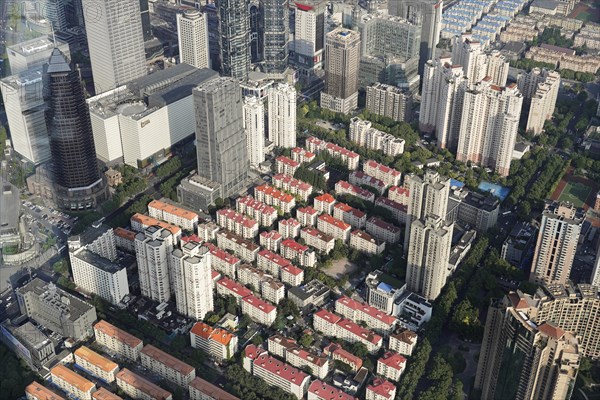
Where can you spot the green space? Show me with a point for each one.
(15, 375)
(575, 193)
(585, 16)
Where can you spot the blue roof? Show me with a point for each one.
(385, 287)
(455, 183)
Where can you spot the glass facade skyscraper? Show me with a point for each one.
(234, 28)
(276, 35)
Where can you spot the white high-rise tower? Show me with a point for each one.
(282, 115)
(192, 33)
(254, 125)
(115, 41)
(153, 250)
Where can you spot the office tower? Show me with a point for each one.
(153, 249)
(79, 184)
(257, 32)
(428, 255)
(145, 17)
(282, 115)
(214, 37)
(389, 50)
(34, 53)
(254, 125)
(442, 95)
(426, 14)
(192, 32)
(276, 35)
(192, 280)
(389, 101)
(115, 42)
(25, 110)
(521, 359)
(556, 243)
(540, 91)
(428, 196)
(234, 28)
(220, 136)
(489, 124)
(52, 13)
(342, 56)
(476, 63)
(309, 37)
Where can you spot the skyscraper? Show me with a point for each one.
(192, 280)
(342, 56)
(489, 124)
(115, 41)
(25, 111)
(428, 255)
(556, 243)
(540, 90)
(220, 136)
(254, 125)
(442, 94)
(309, 37)
(192, 32)
(234, 28)
(145, 17)
(477, 63)
(78, 182)
(428, 197)
(426, 14)
(282, 115)
(276, 35)
(257, 32)
(521, 359)
(53, 12)
(153, 249)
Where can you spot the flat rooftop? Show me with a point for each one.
(98, 261)
(10, 204)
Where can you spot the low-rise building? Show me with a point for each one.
(350, 215)
(362, 133)
(332, 226)
(319, 390)
(307, 215)
(391, 366)
(361, 312)
(333, 325)
(35, 391)
(365, 243)
(519, 243)
(275, 197)
(314, 292)
(350, 158)
(245, 249)
(300, 358)
(276, 373)
(293, 186)
(280, 267)
(270, 240)
(237, 222)
(383, 290)
(279, 345)
(389, 176)
(343, 187)
(397, 210)
(216, 342)
(337, 352)
(140, 222)
(29, 344)
(259, 310)
(474, 209)
(222, 261)
(261, 212)
(380, 389)
(324, 203)
(167, 366)
(228, 287)
(124, 239)
(403, 341)
(313, 237)
(297, 252)
(382, 230)
(399, 194)
(302, 156)
(178, 216)
(207, 231)
(72, 383)
(138, 387)
(412, 310)
(95, 364)
(361, 179)
(272, 290)
(289, 228)
(286, 165)
(204, 390)
(104, 394)
(118, 340)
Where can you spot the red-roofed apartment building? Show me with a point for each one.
(216, 342)
(300, 155)
(337, 352)
(365, 243)
(343, 187)
(293, 185)
(381, 389)
(222, 261)
(259, 310)
(286, 165)
(313, 237)
(307, 215)
(391, 366)
(237, 222)
(167, 366)
(300, 253)
(382, 230)
(279, 266)
(324, 203)
(319, 390)
(373, 317)
(289, 228)
(264, 214)
(270, 240)
(389, 176)
(274, 372)
(244, 248)
(359, 178)
(350, 215)
(228, 287)
(331, 324)
(275, 197)
(334, 227)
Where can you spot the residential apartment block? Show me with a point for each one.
(118, 340)
(264, 214)
(389, 101)
(178, 216)
(295, 251)
(391, 366)
(373, 317)
(380, 389)
(365, 243)
(237, 223)
(362, 133)
(270, 240)
(286, 165)
(307, 215)
(275, 197)
(293, 186)
(331, 324)
(354, 217)
(167, 366)
(315, 238)
(343, 187)
(245, 249)
(350, 158)
(72, 383)
(382, 230)
(228, 287)
(97, 365)
(259, 310)
(140, 388)
(222, 261)
(388, 175)
(324, 203)
(216, 342)
(289, 228)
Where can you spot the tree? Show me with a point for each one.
(465, 320)
(306, 340)
(359, 350)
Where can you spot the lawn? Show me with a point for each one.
(576, 193)
(585, 16)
